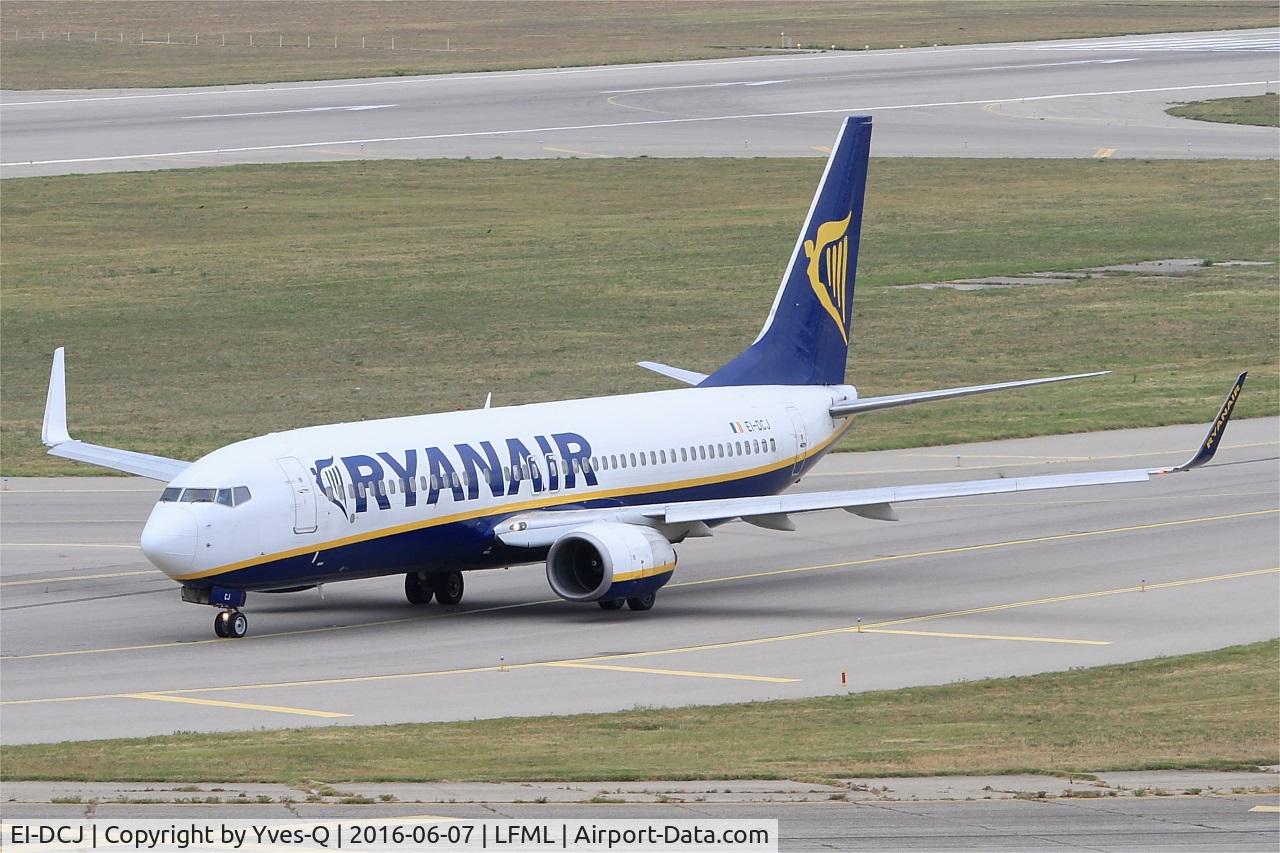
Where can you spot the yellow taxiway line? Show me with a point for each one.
(954, 636)
(1265, 809)
(243, 706)
(575, 152)
(1103, 153)
(679, 672)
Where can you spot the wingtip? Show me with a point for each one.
(1217, 429)
(54, 430)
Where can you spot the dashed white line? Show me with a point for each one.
(608, 125)
(356, 109)
(1055, 64)
(703, 86)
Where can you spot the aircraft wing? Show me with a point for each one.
(540, 529)
(871, 404)
(60, 443)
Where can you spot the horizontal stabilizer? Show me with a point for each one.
(55, 436)
(871, 404)
(688, 377)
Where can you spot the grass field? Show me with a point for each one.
(1211, 710)
(1256, 109)
(200, 307)
(507, 35)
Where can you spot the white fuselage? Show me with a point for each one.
(339, 501)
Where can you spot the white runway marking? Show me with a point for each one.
(1056, 64)
(300, 110)
(706, 86)
(620, 124)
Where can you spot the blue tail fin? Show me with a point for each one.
(805, 341)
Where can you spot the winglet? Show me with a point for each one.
(1213, 437)
(54, 431)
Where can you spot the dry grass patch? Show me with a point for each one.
(1262, 110)
(1210, 710)
(506, 35)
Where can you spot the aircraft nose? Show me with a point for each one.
(169, 538)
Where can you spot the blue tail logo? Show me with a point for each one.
(829, 253)
(805, 340)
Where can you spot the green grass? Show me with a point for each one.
(1253, 109)
(507, 35)
(1210, 710)
(201, 307)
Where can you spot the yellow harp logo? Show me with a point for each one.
(828, 269)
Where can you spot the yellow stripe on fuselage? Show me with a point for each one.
(541, 503)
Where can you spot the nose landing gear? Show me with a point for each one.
(231, 624)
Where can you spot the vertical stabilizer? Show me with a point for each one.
(805, 341)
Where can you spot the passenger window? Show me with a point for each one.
(435, 482)
(453, 479)
(422, 483)
(720, 450)
(662, 454)
(683, 456)
(351, 490)
(224, 497)
(241, 495)
(737, 448)
(702, 451)
(391, 487)
(613, 461)
(643, 460)
(773, 446)
(633, 460)
(381, 486)
(170, 494)
(653, 457)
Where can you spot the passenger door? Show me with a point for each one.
(304, 498)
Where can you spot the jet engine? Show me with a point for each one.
(609, 561)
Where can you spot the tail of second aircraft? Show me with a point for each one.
(805, 341)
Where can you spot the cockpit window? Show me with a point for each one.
(224, 497)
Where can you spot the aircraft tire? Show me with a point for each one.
(612, 604)
(237, 625)
(416, 589)
(220, 624)
(448, 587)
(642, 602)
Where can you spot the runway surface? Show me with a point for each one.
(96, 643)
(1078, 98)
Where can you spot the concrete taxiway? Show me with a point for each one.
(95, 643)
(1077, 98)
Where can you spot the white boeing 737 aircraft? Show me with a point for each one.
(601, 488)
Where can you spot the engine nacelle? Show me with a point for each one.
(608, 560)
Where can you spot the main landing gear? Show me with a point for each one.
(230, 624)
(444, 587)
(639, 603)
